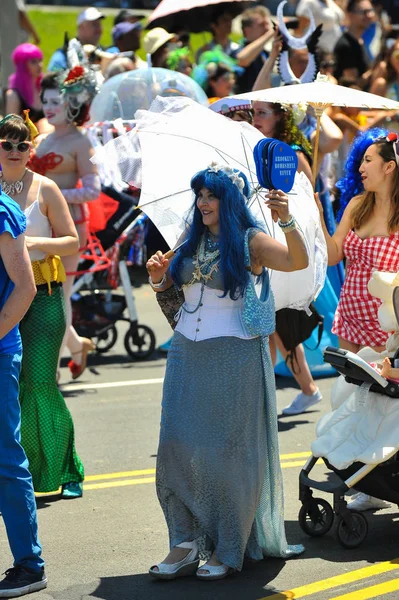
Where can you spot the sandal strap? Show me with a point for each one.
(191, 545)
(214, 569)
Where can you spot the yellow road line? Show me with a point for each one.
(123, 483)
(152, 471)
(298, 463)
(121, 474)
(331, 582)
(374, 591)
(295, 455)
(139, 479)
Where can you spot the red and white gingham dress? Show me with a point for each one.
(356, 318)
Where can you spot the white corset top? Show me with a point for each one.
(215, 316)
(37, 225)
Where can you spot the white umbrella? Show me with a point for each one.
(321, 94)
(177, 138)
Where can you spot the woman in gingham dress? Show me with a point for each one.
(368, 237)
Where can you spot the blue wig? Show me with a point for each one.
(351, 185)
(234, 220)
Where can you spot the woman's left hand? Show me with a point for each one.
(278, 203)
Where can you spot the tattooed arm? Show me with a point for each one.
(17, 265)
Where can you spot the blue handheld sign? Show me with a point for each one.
(276, 164)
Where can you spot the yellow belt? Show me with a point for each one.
(47, 270)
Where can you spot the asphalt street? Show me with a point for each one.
(101, 546)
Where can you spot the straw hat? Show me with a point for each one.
(156, 38)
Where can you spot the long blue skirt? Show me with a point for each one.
(219, 479)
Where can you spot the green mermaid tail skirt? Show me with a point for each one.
(47, 431)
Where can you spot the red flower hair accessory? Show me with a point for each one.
(392, 137)
(74, 75)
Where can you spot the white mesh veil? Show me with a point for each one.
(175, 139)
(124, 152)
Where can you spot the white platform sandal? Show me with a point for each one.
(214, 572)
(187, 566)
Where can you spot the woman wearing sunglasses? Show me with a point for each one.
(47, 428)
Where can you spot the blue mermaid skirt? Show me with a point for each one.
(219, 479)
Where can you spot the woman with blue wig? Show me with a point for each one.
(219, 479)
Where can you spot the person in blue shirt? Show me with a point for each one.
(126, 37)
(17, 500)
(89, 31)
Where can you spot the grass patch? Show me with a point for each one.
(51, 26)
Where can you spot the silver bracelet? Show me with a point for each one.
(288, 229)
(157, 286)
(288, 226)
(284, 224)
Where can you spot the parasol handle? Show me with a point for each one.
(319, 108)
(169, 254)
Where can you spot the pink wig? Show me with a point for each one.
(21, 80)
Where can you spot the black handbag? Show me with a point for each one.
(294, 327)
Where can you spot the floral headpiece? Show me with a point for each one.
(230, 172)
(79, 84)
(298, 111)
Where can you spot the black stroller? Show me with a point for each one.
(316, 515)
(96, 311)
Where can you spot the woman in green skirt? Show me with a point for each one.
(46, 424)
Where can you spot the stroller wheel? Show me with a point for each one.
(316, 517)
(352, 537)
(106, 339)
(140, 342)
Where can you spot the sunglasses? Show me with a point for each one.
(364, 11)
(21, 146)
(326, 64)
(227, 77)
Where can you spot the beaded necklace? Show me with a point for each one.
(206, 262)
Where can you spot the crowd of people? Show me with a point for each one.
(215, 511)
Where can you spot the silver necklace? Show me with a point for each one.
(205, 262)
(13, 188)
